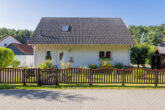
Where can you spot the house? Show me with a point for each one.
(4, 42)
(81, 41)
(158, 59)
(23, 53)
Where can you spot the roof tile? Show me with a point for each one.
(83, 31)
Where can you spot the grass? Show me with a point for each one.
(83, 86)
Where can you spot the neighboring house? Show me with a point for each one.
(158, 59)
(23, 53)
(4, 42)
(81, 41)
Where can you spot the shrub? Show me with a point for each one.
(48, 64)
(119, 65)
(6, 57)
(105, 65)
(67, 65)
(15, 63)
(85, 67)
(92, 66)
(63, 65)
(128, 67)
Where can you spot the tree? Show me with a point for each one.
(6, 57)
(152, 35)
(139, 53)
(20, 35)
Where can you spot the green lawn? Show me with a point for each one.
(83, 86)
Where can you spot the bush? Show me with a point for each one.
(6, 57)
(128, 67)
(92, 66)
(67, 65)
(139, 53)
(48, 64)
(119, 65)
(105, 65)
(62, 65)
(15, 63)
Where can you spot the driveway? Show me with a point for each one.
(83, 99)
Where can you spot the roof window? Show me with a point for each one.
(65, 28)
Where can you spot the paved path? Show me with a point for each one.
(84, 99)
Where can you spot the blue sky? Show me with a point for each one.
(25, 14)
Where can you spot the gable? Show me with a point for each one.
(82, 31)
(8, 40)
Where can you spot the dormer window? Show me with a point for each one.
(65, 28)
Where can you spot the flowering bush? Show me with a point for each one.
(63, 65)
(48, 64)
(106, 65)
(67, 65)
(128, 66)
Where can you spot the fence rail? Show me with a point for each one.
(78, 75)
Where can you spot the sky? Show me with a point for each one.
(25, 14)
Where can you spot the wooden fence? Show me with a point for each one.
(78, 75)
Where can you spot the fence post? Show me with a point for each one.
(39, 78)
(23, 77)
(156, 78)
(90, 77)
(123, 75)
(57, 72)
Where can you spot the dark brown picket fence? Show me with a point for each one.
(78, 75)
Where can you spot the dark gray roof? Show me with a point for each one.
(83, 31)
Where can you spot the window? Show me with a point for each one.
(105, 54)
(108, 54)
(61, 55)
(101, 54)
(65, 28)
(48, 55)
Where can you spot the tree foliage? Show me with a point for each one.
(139, 53)
(15, 63)
(6, 57)
(152, 35)
(147, 38)
(18, 34)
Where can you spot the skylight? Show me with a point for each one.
(65, 28)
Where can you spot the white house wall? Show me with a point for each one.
(25, 60)
(8, 41)
(82, 55)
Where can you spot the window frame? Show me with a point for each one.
(100, 52)
(48, 55)
(105, 54)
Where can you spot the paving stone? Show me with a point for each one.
(83, 99)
